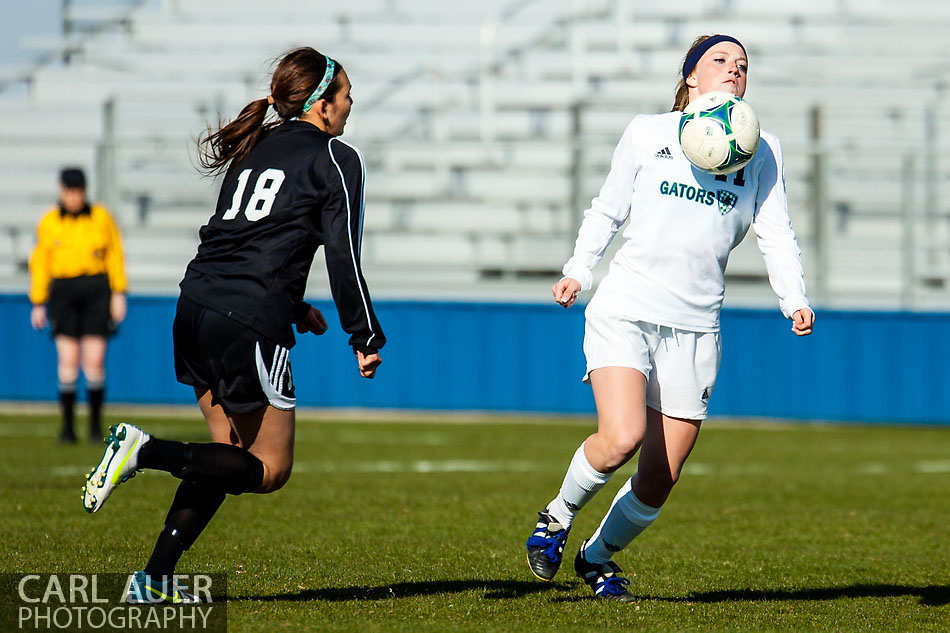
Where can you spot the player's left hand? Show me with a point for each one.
(118, 307)
(368, 364)
(314, 322)
(802, 322)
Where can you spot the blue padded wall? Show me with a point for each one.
(860, 366)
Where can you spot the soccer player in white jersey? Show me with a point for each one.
(652, 328)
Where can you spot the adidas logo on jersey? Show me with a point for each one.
(664, 153)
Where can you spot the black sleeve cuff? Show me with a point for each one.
(367, 351)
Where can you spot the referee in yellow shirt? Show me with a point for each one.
(78, 287)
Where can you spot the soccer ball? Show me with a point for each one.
(719, 132)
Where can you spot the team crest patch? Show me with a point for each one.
(727, 200)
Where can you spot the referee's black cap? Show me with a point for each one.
(73, 178)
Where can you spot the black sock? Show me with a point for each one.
(229, 468)
(191, 511)
(96, 393)
(67, 406)
(160, 454)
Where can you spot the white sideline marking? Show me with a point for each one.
(25, 429)
(350, 436)
(868, 468)
(419, 466)
(692, 469)
(70, 471)
(699, 468)
(366, 436)
(934, 466)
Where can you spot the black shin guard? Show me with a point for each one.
(191, 511)
(222, 466)
(230, 468)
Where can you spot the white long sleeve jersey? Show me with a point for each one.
(683, 225)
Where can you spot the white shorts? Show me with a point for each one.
(680, 365)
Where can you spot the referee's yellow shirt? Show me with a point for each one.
(76, 244)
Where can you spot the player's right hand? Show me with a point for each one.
(565, 291)
(368, 364)
(38, 317)
(314, 322)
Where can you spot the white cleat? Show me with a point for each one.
(118, 464)
(143, 590)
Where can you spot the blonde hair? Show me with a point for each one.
(681, 95)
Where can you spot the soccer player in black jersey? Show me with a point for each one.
(290, 186)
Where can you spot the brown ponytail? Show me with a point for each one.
(295, 78)
(234, 140)
(681, 98)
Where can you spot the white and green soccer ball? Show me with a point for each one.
(719, 132)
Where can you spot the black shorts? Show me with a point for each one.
(79, 306)
(244, 370)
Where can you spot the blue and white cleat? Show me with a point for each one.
(118, 464)
(546, 546)
(605, 579)
(143, 589)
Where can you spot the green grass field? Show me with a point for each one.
(420, 526)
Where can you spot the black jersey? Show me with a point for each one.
(297, 189)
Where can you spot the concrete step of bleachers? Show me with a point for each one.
(281, 11)
(746, 260)
(465, 124)
(37, 123)
(93, 87)
(410, 37)
(24, 219)
(150, 245)
(464, 154)
(465, 218)
(446, 208)
(856, 259)
(649, 31)
(864, 290)
(546, 123)
(253, 67)
(486, 185)
(430, 218)
(466, 252)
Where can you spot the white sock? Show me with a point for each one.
(580, 485)
(627, 517)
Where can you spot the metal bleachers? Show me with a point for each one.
(487, 127)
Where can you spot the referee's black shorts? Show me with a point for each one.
(79, 306)
(244, 370)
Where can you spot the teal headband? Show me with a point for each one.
(322, 86)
